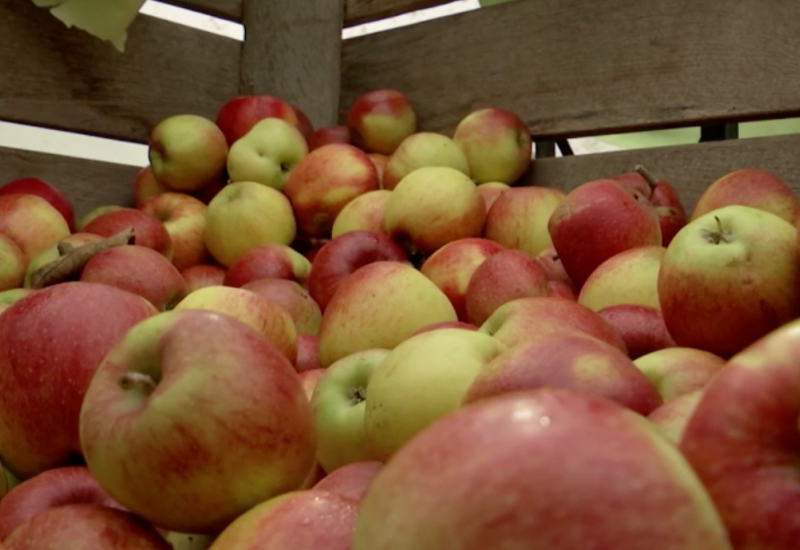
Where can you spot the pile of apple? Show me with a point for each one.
(370, 336)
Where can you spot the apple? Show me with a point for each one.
(452, 267)
(434, 206)
(490, 191)
(552, 265)
(10, 297)
(267, 154)
(322, 184)
(380, 120)
(302, 520)
(379, 306)
(343, 256)
(31, 222)
(447, 324)
(303, 122)
(329, 134)
(363, 213)
(526, 319)
(310, 379)
(146, 186)
(50, 489)
(678, 371)
(642, 328)
(261, 314)
(753, 187)
(504, 277)
(309, 246)
(13, 264)
(728, 278)
(193, 418)
(672, 417)
(238, 115)
(148, 231)
(519, 216)
(307, 353)
(541, 469)
(184, 218)
(424, 150)
(572, 361)
(421, 380)
(54, 340)
(96, 213)
(207, 193)
(40, 188)
(584, 237)
(201, 276)
(741, 440)
(52, 254)
(244, 215)
(81, 526)
(497, 145)
(138, 270)
(380, 161)
(268, 261)
(187, 541)
(561, 290)
(293, 298)
(351, 481)
(630, 277)
(338, 406)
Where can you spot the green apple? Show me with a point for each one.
(12, 264)
(421, 150)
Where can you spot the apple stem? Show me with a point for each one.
(647, 175)
(73, 259)
(131, 380)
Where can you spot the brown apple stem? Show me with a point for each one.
(647, 175)
(65, 248)
(131, 380)
(73, 259)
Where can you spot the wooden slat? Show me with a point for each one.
(293, 50)
(224, 9)
(86, 183)
(364, 11)
(572, 67)
(66, 79)
(690, 168)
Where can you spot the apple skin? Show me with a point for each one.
(751, 187)
(146, 186)
(678, 371)
(238, 115)
(329, 134)
(519, 216)
(526, 319)
(40, 188)
(447, 324)
(307, 353)
(433, 370)
(136, 418)
(39, 417)
(148, 231)
(363, 213)
(434, 206)
(572, 361)
(138, 270)
(742, 441)
(13, 264)
(490, 191)
(244, 215)
(423, 150)
(630, 277)
(379, 306)
(310, 379)
(31, 222)
(380, 161)
(293, 298)
(504, 277)
(56, 487)
(201, 276)
(261, 314)
(728, 278)
(552, 265)
(10, 297)
(338, 404)
(96, 213)
(322, 184)
(380, 120)
(343, 256)
(268, 261)
(82, 526)
(187, 152)
(493, 475)
(497, 145)
(672, 417)
(283, 522)
(452, 268)
(642, 328)
(184, 218)
(351, 481)
(667, 202)
(561, 290)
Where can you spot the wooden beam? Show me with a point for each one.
(293, 50)
(66, 79)
(571, 68)
(224, 9)
(364, 11)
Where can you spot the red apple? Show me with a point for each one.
(363, 213)
(444, 325)
(292, 297)
(344, 255)
(201, 276)
(380, 161)
(268, 261)
(642, 328)
(238, 116)
(310, 379)
(147, 230)
(10, 297)
(329, 134)
(380, 120)
(184, 218)
(350, 481)
(554, 267)
(307, 353)
(519, 216)
(13, 264)
(303, 122)
(207, 193)
(561, 290)
(146, 186)
(672, 417)
(32, 223)
(91, 215)
(491, 191)
(42, 189)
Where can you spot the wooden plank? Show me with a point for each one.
(224, 9)
(66, 79)
(293, 50)
(571, 67)
(690, 168)
(364, 11)
(86, 183)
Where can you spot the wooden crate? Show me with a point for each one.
(569, 68)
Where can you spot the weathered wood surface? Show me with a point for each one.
(572, 67)
(292, 50)
(690, 168)
(86, 183)
(364, 11)
(66, 79)
(224, 9)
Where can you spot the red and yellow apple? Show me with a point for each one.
(423, 150)
(363, 213)
(147, 229)
(268, 261)
(518, 218)
(293, 298)
(184, 218)
(31, 222)
(380, 120)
